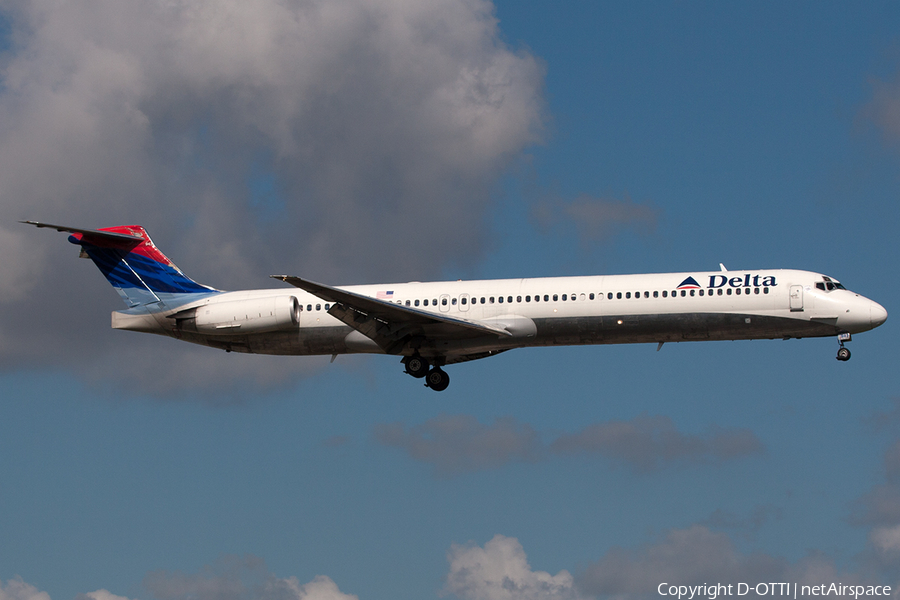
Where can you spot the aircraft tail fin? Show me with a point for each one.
(132, 263)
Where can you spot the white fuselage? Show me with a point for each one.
(608, 309)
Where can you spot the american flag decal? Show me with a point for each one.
(384, 295)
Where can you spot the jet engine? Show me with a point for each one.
(239, 317)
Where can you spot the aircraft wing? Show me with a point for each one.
(389, 324)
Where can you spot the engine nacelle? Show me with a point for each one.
(240, 317)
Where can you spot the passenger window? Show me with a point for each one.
(646, 294)
(407, 303)
(491, 300)
(443, 302)
(318, 307)
(546, 297)
(309, 307)
(425, 302)
(591, 296)
(482, 299)
(500, 299)
(537, 298)
(728, 292)
(509, 299)
(453, 301)
(665, 294)
(765, 290)
(618, 295)
(564, 297)
(518, 298)
(746, 291)
(755, 290)
(627, 295)
(738, 291)
(683, 293)
(464, 300)
(610, 296)
(327, 306)
(527, 298)
(701, 292)
(692, 292)
(720, 291)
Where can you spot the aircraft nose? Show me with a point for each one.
(877, 314)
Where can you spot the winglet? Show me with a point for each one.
(721, 266)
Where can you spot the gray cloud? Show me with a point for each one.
(647, 442)
(456, 444)
(595, 219)
(884, 108)
(351, 141)
(745, 526)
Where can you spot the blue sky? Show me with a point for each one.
(757, 135)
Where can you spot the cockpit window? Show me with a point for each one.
(829, 284)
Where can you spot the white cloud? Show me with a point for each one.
(101, 595)
(500, 571)
(234, 578)
(16, 589)
(885, 539)
(344, 140)
(230, 578)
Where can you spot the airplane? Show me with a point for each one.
(433, 324)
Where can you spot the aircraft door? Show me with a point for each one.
(445, 302)
(796, 298)
(463, 302)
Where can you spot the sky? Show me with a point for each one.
(362, 141)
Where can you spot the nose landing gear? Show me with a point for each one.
(843, 353)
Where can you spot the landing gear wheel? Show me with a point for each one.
(416, 366)
(843, 354)
(437, 379)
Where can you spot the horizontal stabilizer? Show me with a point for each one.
(102, 239)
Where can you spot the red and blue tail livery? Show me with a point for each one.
(133, 264)
(430, 325)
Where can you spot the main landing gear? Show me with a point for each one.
(435, 377)
(843, 353)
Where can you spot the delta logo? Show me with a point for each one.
(689, 284)
(717, 281)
